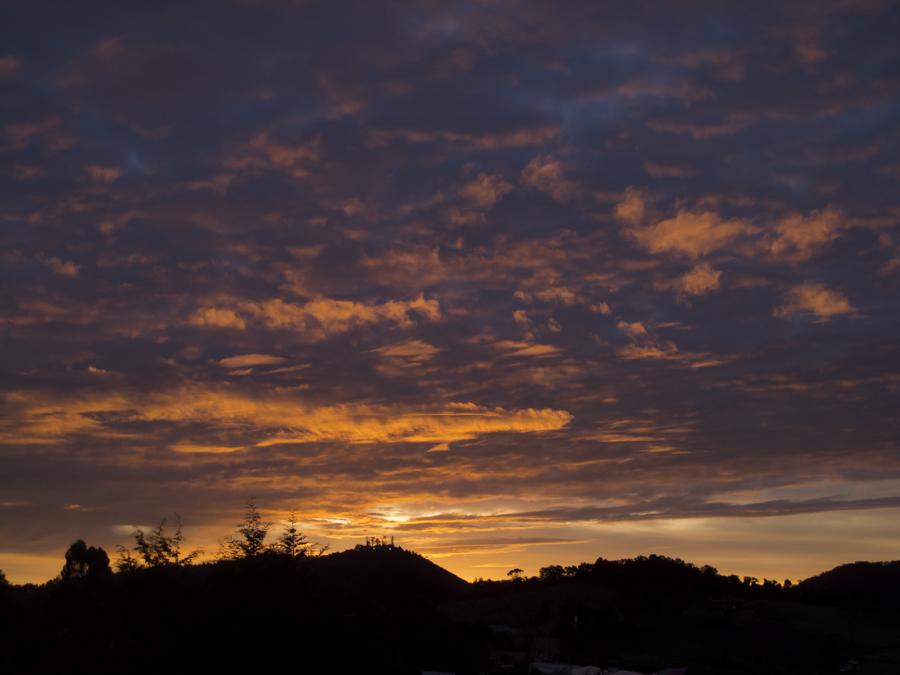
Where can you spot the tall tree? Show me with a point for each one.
(158, 549)
(85, 562)
(292, 542)
(252, 533)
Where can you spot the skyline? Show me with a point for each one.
(516, 283)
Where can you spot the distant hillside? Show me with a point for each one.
(868, 583)
(390, 570)
(380, 608)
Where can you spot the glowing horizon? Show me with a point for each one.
(518, 283)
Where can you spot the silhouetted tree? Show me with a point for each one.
(5, 598)
(158, 549)
(84, 562)
(551, 573)
(252, 531)
(125, 561)
(294, 543)
(516, 573)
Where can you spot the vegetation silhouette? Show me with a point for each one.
(252, 535)
(380, 608)
(156, 549)
(84, 562)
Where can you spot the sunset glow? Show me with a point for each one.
(516, 283)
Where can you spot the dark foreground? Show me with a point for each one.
(385, 610)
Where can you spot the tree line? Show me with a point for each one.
(164, 546)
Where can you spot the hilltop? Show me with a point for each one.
(384, 609)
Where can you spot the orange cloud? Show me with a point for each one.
(268, 418)
(659, 170)
(808, 45)
(691, 234)
(667, 350)
(317, 318)
(731, 124)
(48, 128)
(249, 360)
(411, 349)
(548, 175)
(323, 316)
(814, 298)
(636, 329)
(486, 190)
(515, 348)
(218, 318)
(195, 449)
(61, 267)
(630, 210)
(401, 357)
(262, 153)
(103, 174)
(801, 236)
(485, 141)
(645, 346)
(8, 65)
(701, 280)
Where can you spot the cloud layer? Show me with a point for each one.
(546, 275)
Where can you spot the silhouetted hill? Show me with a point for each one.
(391, 571)
(868, 583)
(380, 608)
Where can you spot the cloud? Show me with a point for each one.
(660, 170)
(8, 65)
(264, 419)
(318, 318)
(321, 317)
(799, 236)
(701, 131)
(198, 449)
(47, 128)
(368, 236)
(646, 346)
(484, 141)
(64, 268)
(726, 65)
(103, 174)
(813, 298)
(691, 234)
(808, 45)
(687, 507)
(631, 209)
(217, 317)
(486, 190)
(404, 357)
(264, 153)
(547, 175)
(700, 280)
(478, 196)
(653, 350)
(663, 88)
(517, 348)
(635, 329)
(415, 350)
(249, 360)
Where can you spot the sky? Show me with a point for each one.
(517, 283)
